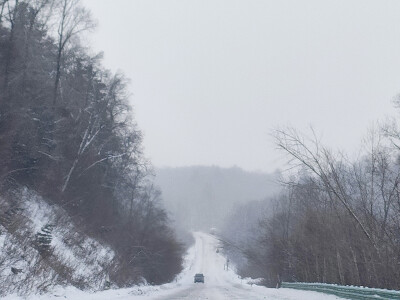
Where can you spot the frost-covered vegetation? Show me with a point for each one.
(67, 137)
(30, 263)
(337, 220)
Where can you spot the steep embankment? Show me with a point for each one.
(41, 248)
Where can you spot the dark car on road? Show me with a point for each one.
(199, 278)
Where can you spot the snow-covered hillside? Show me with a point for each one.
(72, 258)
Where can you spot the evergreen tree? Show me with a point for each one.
(44, 238)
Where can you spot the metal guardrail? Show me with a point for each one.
(347, 292)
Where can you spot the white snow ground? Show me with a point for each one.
(201, 258)
(85, 258)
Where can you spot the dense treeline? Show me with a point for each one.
(338, 220)
(66, 131)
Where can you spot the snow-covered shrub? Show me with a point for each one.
(47, 248)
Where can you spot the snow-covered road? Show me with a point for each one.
(219, 283)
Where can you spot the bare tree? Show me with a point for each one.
(12, 10)
(101, 117)
(320, 161)
(74, 20)
(35, 9)
(3, 6)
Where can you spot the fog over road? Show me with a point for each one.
(221, 283)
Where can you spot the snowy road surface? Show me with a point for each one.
(219, 283)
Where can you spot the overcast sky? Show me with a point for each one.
(210, 79)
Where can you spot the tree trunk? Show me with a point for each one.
(317, 268)
(71, 170)
(10, 49)
(340, 268)
(356, 270)
(58, 75)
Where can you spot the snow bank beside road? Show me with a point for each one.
(75, 258)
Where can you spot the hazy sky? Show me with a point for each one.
(210, 79)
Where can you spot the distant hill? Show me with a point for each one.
(201, 197)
